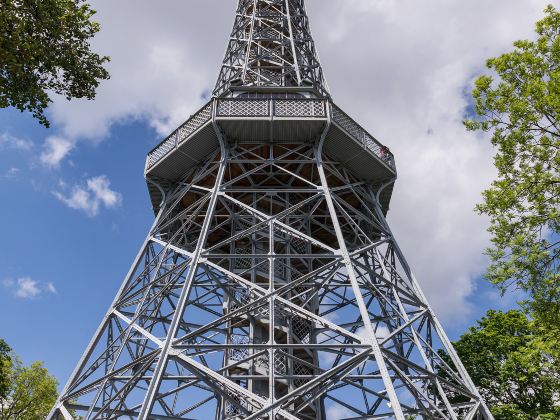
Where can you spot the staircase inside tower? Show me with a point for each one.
(288, 363)
(271, 45)
(291, 366)
(266, 347)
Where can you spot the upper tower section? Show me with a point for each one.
(271, 90)
(271, 47)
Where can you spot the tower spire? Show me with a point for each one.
(271, 47)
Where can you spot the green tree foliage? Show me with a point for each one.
(516, 376)
(44, 50)
(5, 363)
(31, 392)
(521, 109)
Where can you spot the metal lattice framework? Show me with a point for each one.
(270, 108)
(270, 285)
(271, 45)
(270, 255)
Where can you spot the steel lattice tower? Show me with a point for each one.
(270, 285)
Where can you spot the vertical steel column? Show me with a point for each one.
(439, 328)
(97, 336)
(395, 404)
(166, 349)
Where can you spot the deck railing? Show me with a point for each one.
(267, 108)
(180, 134)
(367, 141)
(255, 108)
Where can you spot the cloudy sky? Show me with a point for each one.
(75, 206)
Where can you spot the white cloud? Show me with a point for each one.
(7, 141)
(401, 67)
(50, 288)
(381, 332)
(10, 173)
(28, 288)
(338, 412)
(79, 199)
(100, 187)
(55, 150)
(89, 198)
(160, 67)
(404, 69)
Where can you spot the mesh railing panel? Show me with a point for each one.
(180, 135)
(295, 108)
(163, 149)
(195, 122)
(243, 108)
(238, 354)
(299, 108)
(362, 136)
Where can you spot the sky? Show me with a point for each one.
(75, 207)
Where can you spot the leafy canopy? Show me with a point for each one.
(30, 393)
(5, 363)
(512, 370)
(521, 110)
(45, 49)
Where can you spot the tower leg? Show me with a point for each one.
(270, 287)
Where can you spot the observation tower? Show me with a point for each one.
(270, 285)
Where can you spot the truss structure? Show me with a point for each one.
(271, 46)
(270, 285)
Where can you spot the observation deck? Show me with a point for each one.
(288, 121)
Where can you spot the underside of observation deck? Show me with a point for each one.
(271, 121)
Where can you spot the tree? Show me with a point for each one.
(45, 50)
(5, 362)
(514, 374)
(521, 110)
(31, 392)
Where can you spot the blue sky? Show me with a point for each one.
(82, 256)
(75, 206)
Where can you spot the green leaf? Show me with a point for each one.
(520, 106)
(45, 51)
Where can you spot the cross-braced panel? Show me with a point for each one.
(270, 288)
